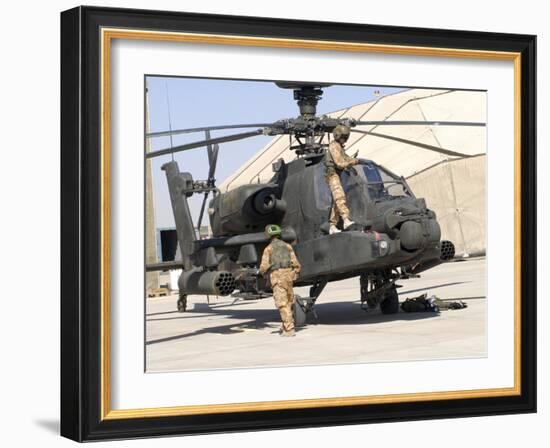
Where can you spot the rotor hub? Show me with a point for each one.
(307, 99)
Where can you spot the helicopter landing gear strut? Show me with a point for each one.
(390, 304)
(305, 305)
(378, 290)
(182, 303)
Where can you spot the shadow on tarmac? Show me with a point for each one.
(339, 313)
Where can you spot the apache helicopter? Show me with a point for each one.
(395, 236)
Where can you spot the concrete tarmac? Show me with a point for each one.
(243, 334)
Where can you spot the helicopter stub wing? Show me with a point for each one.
(164, 266)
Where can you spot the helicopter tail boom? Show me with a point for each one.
(178, 184)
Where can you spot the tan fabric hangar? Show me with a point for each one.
(455, 188)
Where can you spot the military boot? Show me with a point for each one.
(288, 334)
(348, 223)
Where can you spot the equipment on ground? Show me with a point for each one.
(432, 304)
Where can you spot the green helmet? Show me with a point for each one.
(341, 131)
(272, 230)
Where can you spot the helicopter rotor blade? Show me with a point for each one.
(212, 161)
(201, 214)
(207, 128)
(202, 143)
(447, 152)
(209, 152)
(420, 123)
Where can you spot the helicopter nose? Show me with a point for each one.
(412, 235)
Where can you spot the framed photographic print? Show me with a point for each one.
(275, 224)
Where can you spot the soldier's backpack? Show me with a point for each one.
(280, 257)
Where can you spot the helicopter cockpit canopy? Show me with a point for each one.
(382, 184)
(366, 186)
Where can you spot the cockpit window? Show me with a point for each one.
(382, 184)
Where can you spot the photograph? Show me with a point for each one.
(300, 223)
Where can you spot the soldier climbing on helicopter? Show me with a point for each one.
(336, 161)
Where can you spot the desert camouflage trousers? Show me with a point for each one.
(339, 205)
(282, 281)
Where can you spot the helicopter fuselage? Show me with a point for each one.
(393, 228)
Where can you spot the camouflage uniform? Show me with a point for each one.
(280, 261)
(337, 160)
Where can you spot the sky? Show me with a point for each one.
(193, 102)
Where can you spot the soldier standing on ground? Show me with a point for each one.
(336, 160)
(279, 260)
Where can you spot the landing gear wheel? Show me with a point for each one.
(390, 304)
(182, 303)
(299, 312)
